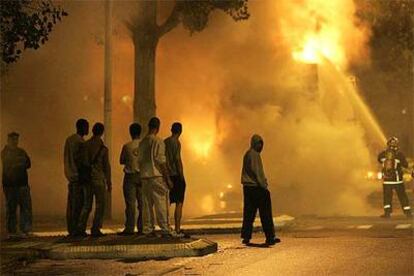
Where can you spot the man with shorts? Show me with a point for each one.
(175, 170)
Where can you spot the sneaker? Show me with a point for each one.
(125, 233)
(186, 235)
(246, 241)
(13, 236)
(151, 235)
(177, 235)
(97, 233)
(80, 234)
(167, 236)
(273, 241)
(27, 234)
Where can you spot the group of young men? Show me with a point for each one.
(153, 178)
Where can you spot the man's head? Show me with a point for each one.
(154, 125)
(98, 129)
(13, 139)
(256, 143)
(177, 129)
(393, 144)
(135, 130)
(82, 127)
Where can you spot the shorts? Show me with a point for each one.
(178, 190)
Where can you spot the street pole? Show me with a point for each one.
(108, 94)
(411, 125)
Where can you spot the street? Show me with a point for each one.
(315, 251)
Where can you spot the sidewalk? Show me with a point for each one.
(217, 224)
(20, 251)
(55, 245)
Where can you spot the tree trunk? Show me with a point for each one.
(145, 38)
(144, 97)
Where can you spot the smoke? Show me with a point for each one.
(224, 84)
(316, 153)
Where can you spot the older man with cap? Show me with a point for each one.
(16, 188)
(256, 194)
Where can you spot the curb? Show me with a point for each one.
(194, 248)
(233, 229)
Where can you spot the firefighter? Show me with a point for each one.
(392, 161)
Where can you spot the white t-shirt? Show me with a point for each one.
(129, 156)
(151, 154)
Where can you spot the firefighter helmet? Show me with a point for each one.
(393, 143)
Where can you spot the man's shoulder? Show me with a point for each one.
(247, 155)
(73, 138)
(251, 152)
(132, 144)
(382, 153)
(88, 142)
(170, 141)
(144, 140)
(155, 139)
(400, 154)
(21, 151)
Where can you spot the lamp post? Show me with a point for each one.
(108, 94)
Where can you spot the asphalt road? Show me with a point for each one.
(313, 252)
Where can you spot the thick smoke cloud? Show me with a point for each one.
(224, 84)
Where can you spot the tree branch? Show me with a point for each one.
(172, 21)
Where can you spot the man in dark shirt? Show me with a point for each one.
(95, 155)
(256, 194)
(392, 161)
(175, 170)
(71, 161)
(16, 185)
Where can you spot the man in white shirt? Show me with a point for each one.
(132, 186)
(155, 180)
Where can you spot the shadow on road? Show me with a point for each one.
(259, 245)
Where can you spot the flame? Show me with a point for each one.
(370, 174)
(202, 148)
(201, 136)
(320, 29)
(318, 46)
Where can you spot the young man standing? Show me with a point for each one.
(175, 170)
(155, 180)
(132, 184)
(71, 162)
(256, 194)
(95, 157)
(16, 188)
